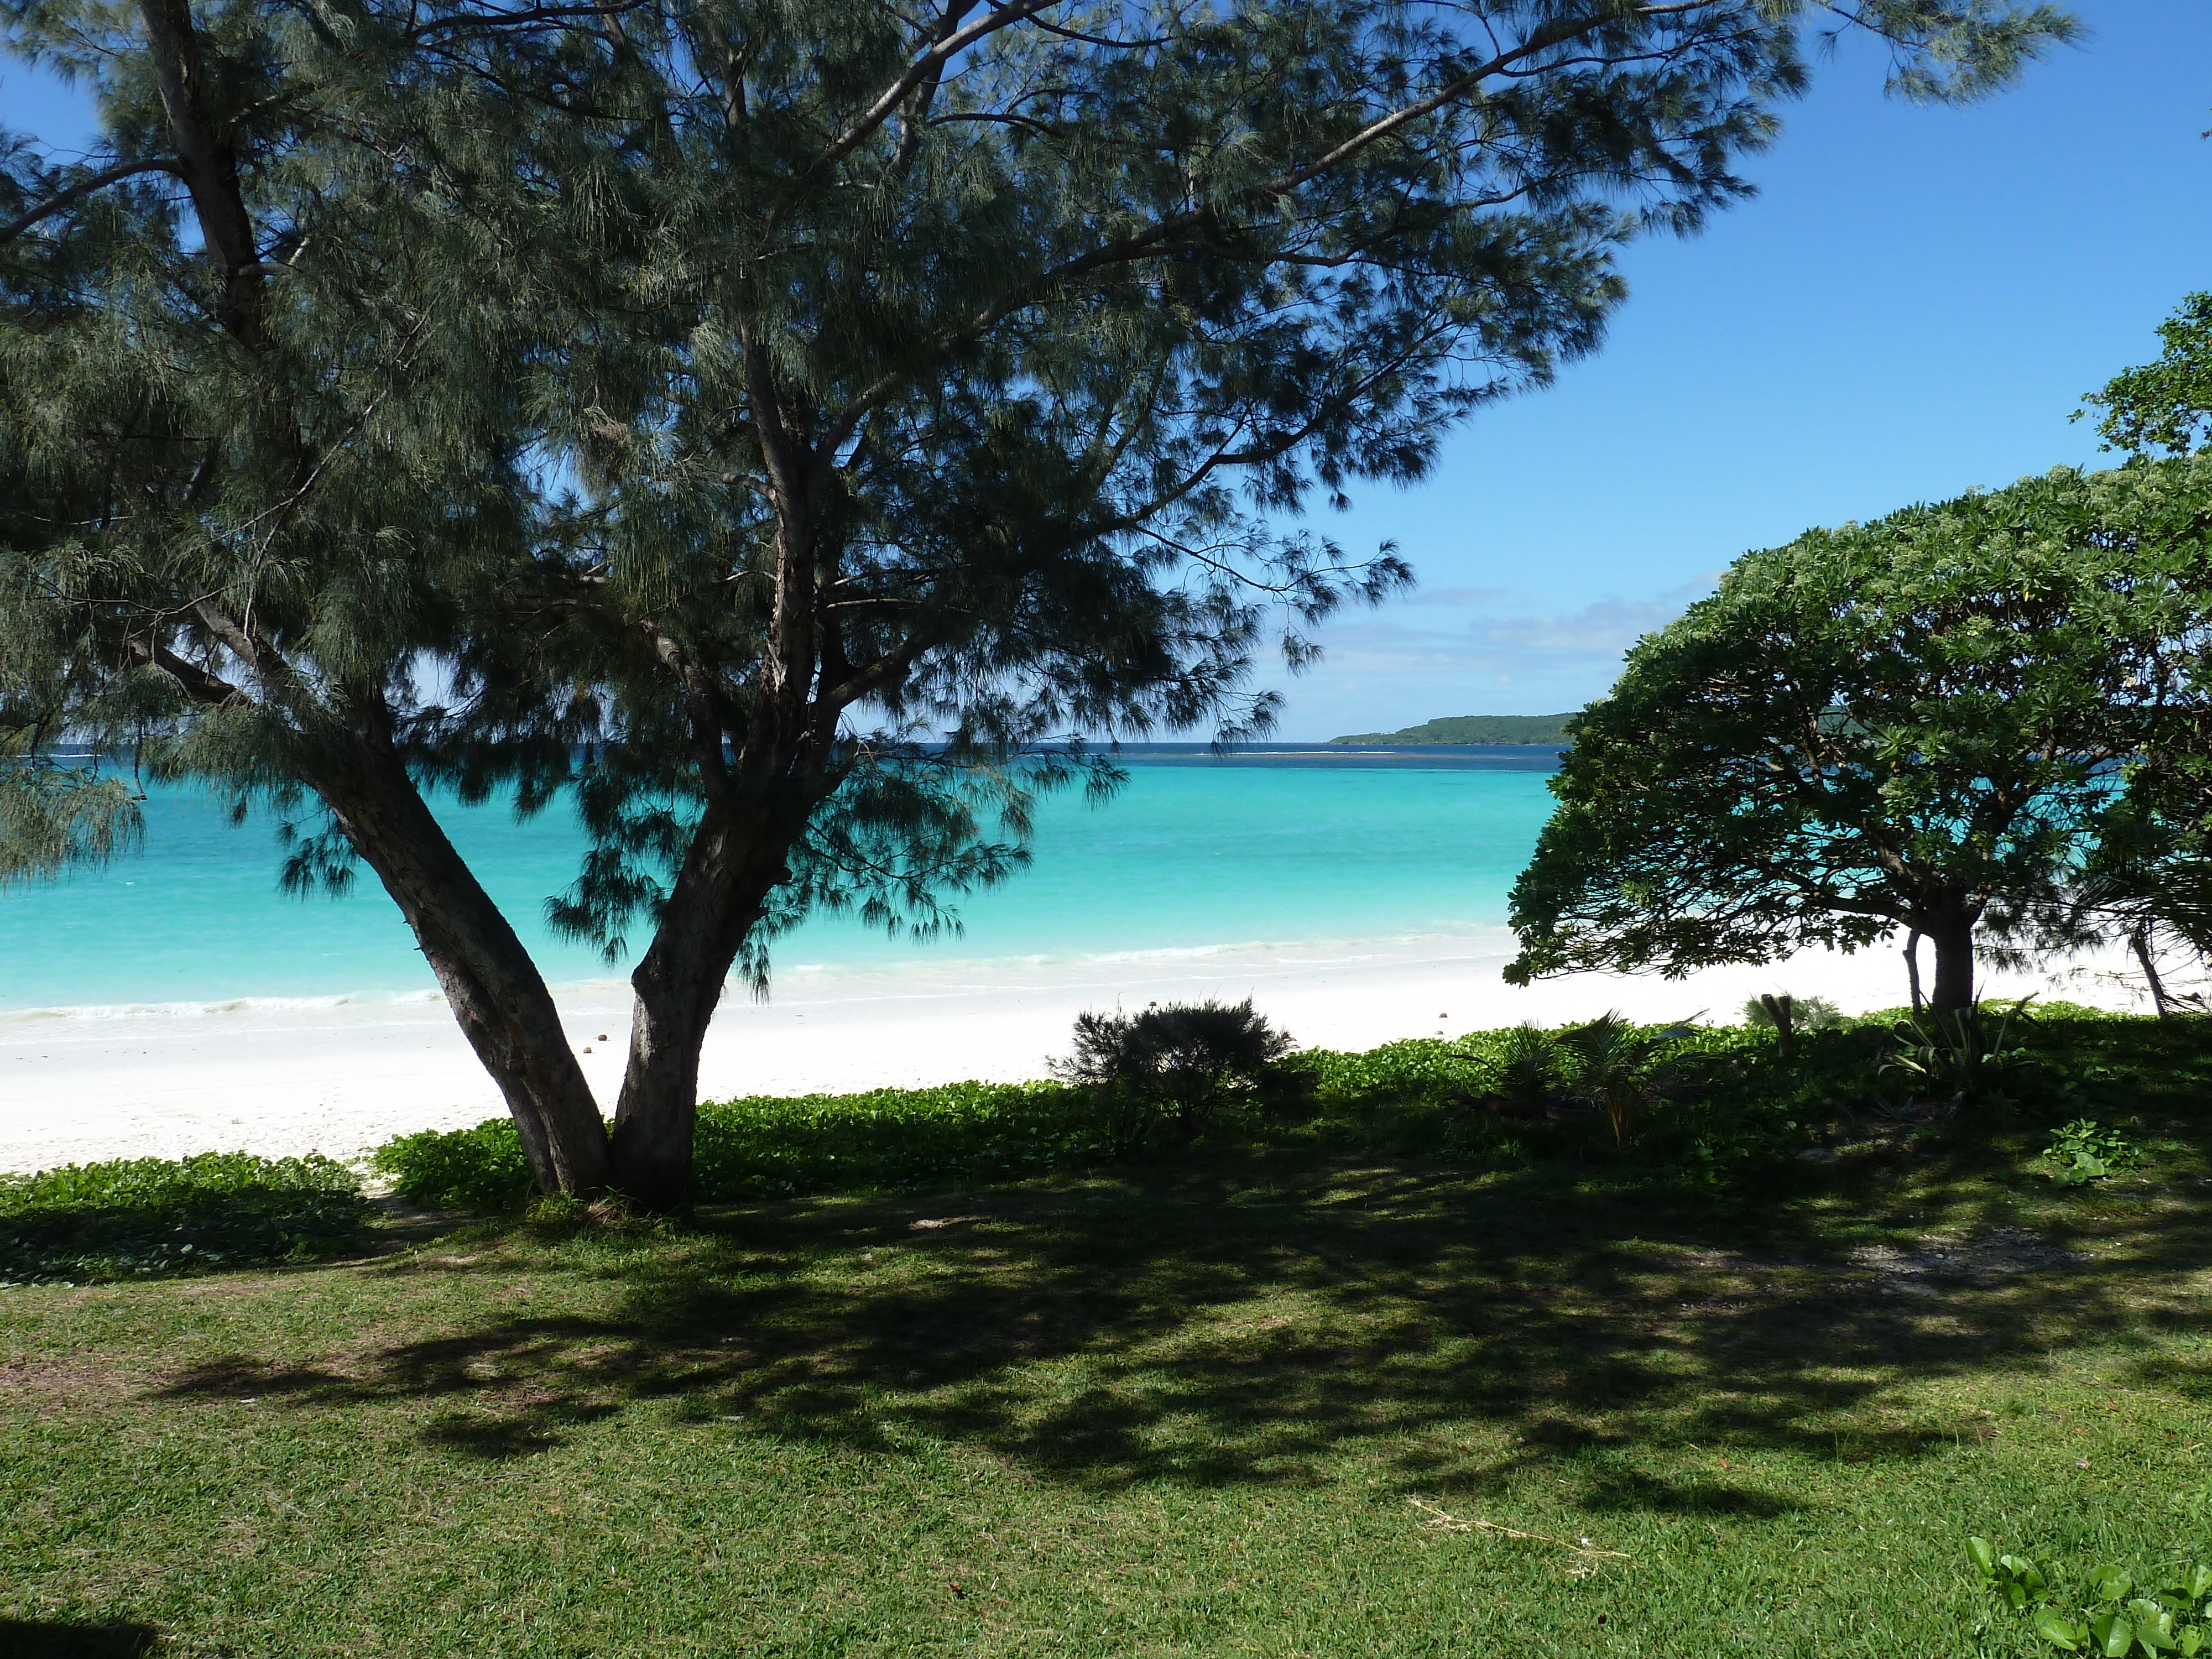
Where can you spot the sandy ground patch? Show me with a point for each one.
(338, 1076)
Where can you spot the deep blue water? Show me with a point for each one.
(1283, 843)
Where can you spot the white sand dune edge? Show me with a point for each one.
(316, 1075)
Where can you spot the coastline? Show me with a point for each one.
(338, 1075)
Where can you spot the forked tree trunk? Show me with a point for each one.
(490, 983)
(492, 986)
(758, 804)
(720, 894)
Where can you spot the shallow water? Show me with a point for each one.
(1331, 851)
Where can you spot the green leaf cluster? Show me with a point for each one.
(2112, 1616)
(148, 1217)
(1920, 723)
(2084, 1150)
(1965, 1054)
(56, 817)
(2165, 404)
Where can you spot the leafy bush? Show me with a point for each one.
(1806, 1013)
(2083, 1151)
(1961, 1055)
(1172, 1064)
(1607, 1065)
(2104, 1617)
(1614, 1066)
(1530, 1069)
(1417, 1068)
(770, 1146)
(1787, 1017)
(479, 1169)
(147, 1217)
(765, 1146)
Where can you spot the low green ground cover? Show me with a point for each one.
(770, 1146)
(153, 1217)
(1389, 1374)
(1725, 1110)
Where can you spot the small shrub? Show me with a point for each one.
(1961, 1055)
(154, 1217)
(1787, 1017)
(2083, 1151)
(2111, 1615)
(480, 1168)
(1614, 1066)
(1530, 1068)
(1806, 1013)
(1176, 1063)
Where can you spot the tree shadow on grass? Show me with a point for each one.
(1255, 1321)
(38, 1639)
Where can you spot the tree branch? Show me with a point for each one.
(200, 685)
(948, 46)
(885, 670)
(1138, 243)
(703, 711)
(85, 187)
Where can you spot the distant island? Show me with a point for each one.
(1475, 728)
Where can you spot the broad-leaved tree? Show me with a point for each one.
(1918, 724)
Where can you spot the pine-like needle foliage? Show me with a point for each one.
(804, 428)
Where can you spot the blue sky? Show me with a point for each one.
(1911, 308)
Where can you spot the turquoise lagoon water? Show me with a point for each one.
(1275, 846)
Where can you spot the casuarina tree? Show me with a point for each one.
(789, 432)
(1923, 723)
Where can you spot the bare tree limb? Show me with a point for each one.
(84, 187)
(946, 48)
(199, 684)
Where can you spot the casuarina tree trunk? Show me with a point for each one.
(492, 986)
(760, 791)
(720, 894)
(1953, 939)
(2139, 941)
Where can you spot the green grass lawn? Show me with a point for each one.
(1180, 1407)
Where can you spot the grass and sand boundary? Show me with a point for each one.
(1210, 1400)
(336, 1076)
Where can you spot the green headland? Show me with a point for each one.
(1473, 728)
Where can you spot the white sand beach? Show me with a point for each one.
(338, 1076)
